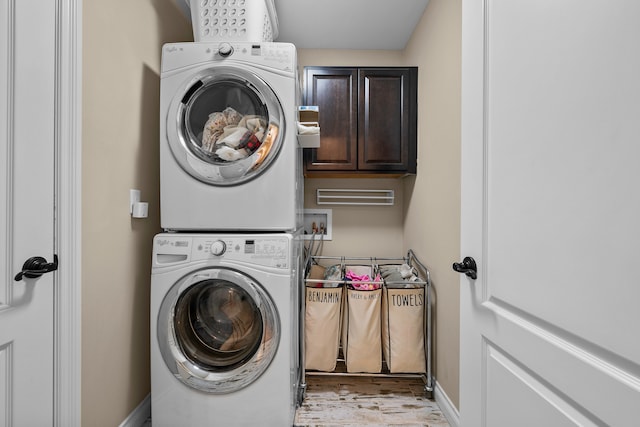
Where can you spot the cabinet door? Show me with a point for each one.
(387, 119)
(334, 91)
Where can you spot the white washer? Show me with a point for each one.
(229, 155)
(224, 329)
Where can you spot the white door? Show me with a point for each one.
(27, 71)
(550, 330)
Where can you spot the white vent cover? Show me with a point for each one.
(335, 196)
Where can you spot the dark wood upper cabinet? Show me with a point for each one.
(335, 92)
(368, 120)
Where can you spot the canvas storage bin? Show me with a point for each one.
(403, 329)
(323, 315)
(361, 343)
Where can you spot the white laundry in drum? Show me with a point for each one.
(231, 136)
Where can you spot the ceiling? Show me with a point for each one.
(348, 24)
(343, 24)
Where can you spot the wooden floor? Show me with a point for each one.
(340, 401)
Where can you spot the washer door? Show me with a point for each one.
(218, 330)
(225, 126)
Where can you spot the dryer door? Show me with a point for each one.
(225, 126)
(218, 330)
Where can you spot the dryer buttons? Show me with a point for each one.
(218, 247)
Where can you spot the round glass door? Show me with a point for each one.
(218, 331)
(225, 126)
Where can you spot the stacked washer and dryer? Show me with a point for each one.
(225, 284)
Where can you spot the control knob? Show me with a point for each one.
(218, 247)
(225, 49)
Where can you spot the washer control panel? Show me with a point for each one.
(271, 250)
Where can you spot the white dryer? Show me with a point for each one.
(224, 329)
(229, 156)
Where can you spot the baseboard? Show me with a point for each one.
(140, 415)
(448, 409)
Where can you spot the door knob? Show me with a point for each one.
(467, 266)
(36, 266)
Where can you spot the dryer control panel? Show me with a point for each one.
(274, 56)
(269, 250)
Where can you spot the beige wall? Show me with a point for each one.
(426, 216)
(361, 231)
(432, 197)
(358, 231)
(121, 57)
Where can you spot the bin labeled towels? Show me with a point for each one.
(322, 322)
(403, 329)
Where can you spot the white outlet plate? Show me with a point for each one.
(317, 217)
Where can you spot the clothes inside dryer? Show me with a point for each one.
(217, 325)
(230, 124)
(225, 120)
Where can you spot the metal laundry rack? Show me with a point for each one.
(424, 280)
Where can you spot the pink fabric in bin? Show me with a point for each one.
(353, 277)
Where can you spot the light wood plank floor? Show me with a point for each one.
(341, 401)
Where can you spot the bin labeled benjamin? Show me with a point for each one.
(322, 323)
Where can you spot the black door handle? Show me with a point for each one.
(467, 266)
(36, 266)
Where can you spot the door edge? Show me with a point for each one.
(67, 221)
